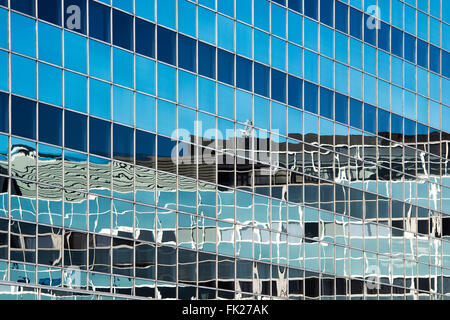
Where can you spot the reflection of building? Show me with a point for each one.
(287, 190)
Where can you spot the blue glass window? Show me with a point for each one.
(356, 113)
(311, 8)
(370, 34)
(244, 73)
(75, 59)
(435, 59)
(396, 127)
(122, 30)
(356, 23)
(24, 6)
(23, 33)
(75, 91)
(383, 122)
(50, 47)
(206, 60)
(123, 67)
(75, 131)
(145, 75)
(99, 98)
(99, 21)
(4, 112)
(397, 42)
(145, 148)
(100, 137)
(278, 85)
(370, 118)
(73, 21)
(311, 97)
(341, 21)
(410, 48)
(225, 66)
(326, 103)
(50, 124)
(50, 10)
(341, 108)
(23, 76)
(422, 53)
(187, 53)
(123, 147)
(23, 117)
(446, 64)
(123, 106)
(100, 60)
(166, 45)
(295, 90)
(261, 79)
(187, 89)
(145, 38)
(145, 112)
(384, 36)
(326, 12)
(295, 5)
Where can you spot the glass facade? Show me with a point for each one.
(224, 149)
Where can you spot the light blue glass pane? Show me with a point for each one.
(226, 7)
(446, 91)
(23, 76)
(435, 87)
(75, 91)
(23, 32)
(410, 105)
(446, 115)
(370, 59)
(50, 84)
(422, 25)
(383, 95)
(397, 100)
(145, 9)
(262, 46)
(326, 41)
(187, 20)
(422, 109)
(123, 106)
(435, 114)
(206, 95)
(166, 13)
(410, 76)
(410, 20)
(243, 106)
(225, 101)
(278, 53)
(243, 40)
(295, 27)
(435, 32)
(295, 60)
(166, 118)
(50, 44)
(446, 36)
(445, 10)
(310, 34)
(123, 67)
(99, 99)
(341, 45)
(383, 65)
(208, 3)
(262, 13)
(166, 82)
(422, 86)
(326, 72)
(311, 70)
(262, 109)
(244, 10)
(341, 77)
(187, 88)
(145, 112)
(355, 84)
(396, 71)
(99, 60)
(384, 6)
(225, 31)
(278, 18)
(356, 3)
(3, 28)
(126, 5)
(206, 25)
(370, 94)
(145, 75)
(4, 71)
(278, 118)
(356, 55)
(75, 59)
(397, 13)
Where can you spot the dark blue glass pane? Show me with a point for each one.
(4, 3)
(446, 63)
(165, 146)
(145, 148)
(187, 53)
(206, 60)
(72, 20)
(166, 45)
(384, 36)
(370, 118)
(23, 117)
(261, 79)
(341, 108)
(422, 53)
(410, 130)
(145, 38)
(225, 66)
(50, 10)
(356, 23)
(4, 112)
(370, 34)
(244, 73)
(341, 21)
(295, 5)
(356, 113)
(422, 132)
(383, 122)
(99, 21)
(122, 30)
(295, 89)
(75, 131)
(123, 146)
(311, 9)
(278, 85)
(396, 125)
(326, 12)
(397, 42)
(50, 124)
(24, 6)
(326, 103)
(435, 59)
(311, 97)
(410, 48)
(282, 2)
(100, 137)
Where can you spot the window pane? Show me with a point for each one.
(72, 20)
(206, 60)
(75, 131)
(356, 23)
(311, 9)
(50, 124)
(410, 48)
(341, 16)
(356, 113)
(123, 143)
(341, 108)
(261, 79)
(50, 10)
(397, 42)
(23, 117)
(99, 21)
(100, 137)
(226, 67)
(24, 6)
(122, 30)
(326, 12)
(145, 148)
(326, 103)
(278, 85)
(311, 97)
(244, 73)
(145, 38)
(187, 53)
(295, 88)
(4, 112)
(166, 45)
